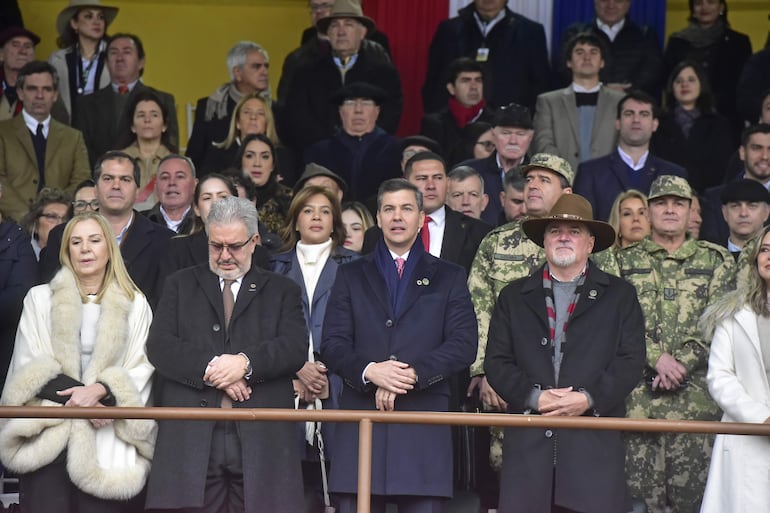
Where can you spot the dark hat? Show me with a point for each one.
(359, 90)
(11, 32)
(421, 140)
(744, 190)
(571, 208)
(345, 9)
(513, 114)
(313, 170)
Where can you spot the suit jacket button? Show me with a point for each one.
(548, 433)
(389, 323)
(216, 327)
(543, 341)
(204, 402)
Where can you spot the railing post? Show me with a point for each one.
(364, 465)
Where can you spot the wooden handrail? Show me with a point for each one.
(367, 418)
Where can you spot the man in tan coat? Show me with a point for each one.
(37, 151)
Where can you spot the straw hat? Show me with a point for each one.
(63, 20)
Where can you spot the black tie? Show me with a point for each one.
(38, 140)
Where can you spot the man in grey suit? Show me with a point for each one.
(587, 106)
(102, 116)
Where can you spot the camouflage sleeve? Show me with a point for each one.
(483, 296)
(693, 352)
(606, 261)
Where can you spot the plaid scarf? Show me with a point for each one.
(550, 307)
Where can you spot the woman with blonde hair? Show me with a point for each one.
(357, 219)
(81, 342)
(738, 327)
(629, 218)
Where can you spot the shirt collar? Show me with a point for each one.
(32, 123)
(611, 31)
(130, 85)
(438, 216)
(171, 223)
(394, 256)
(580, 89)
(630, 162)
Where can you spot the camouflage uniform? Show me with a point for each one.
(673, 291)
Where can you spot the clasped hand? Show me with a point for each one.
(562, 401)
(87, 396)
(392, 378)
(671, 373)
(225, 370)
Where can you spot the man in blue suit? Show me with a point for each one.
(399, 323)
(631, 166)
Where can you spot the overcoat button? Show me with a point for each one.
(216, 327)
(204, 402)
(389, 323)
(548, 433)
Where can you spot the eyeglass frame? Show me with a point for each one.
(83, 204)
(233, 249)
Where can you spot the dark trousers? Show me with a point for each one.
(405, 503)
(49, 490)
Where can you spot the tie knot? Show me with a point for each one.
(400, 266)
(428, 219)
(122, 89)
(229, 283)
(39, 129)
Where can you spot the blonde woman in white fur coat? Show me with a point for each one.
(739, 361)
(81, 342)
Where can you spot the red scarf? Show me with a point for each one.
(462, 114)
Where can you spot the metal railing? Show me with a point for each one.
(366, 419)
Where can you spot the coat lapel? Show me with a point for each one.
(419, 282)
(326, 280)
(25, 139)
(568, 107)
(376, 283)
(209, 284)
(534, 297)
(55, 134)
(453, 235)
(593, 289)
(252, 283)
(618, 169)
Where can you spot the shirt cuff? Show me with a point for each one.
(363, 379)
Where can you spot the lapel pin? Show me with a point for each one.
(419, 282)
(592, 294)
(252, 286)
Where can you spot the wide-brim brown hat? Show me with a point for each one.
(345, 9)
(63, 20)
(571, 208)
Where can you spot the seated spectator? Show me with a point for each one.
(245, 188)
(257, 161)
(414, 144)
(357, 219)
(192, 250)
(146, 139)
(36, 150)
(174, 185)
(737, 328)
(691, 133)
(49, 210)
(717, 48)
(695, 222)
(361, 153)
(322, 177)
(141, 242)
(465, 192)
(512, 134)
(631, 165)
(745, 208)
(628, 218)
(309, 114)
(17, 48)
(576, 122)
(754, 87)
(82, 40)
(84, 199)
(248, 65)
(81, 343)
(481, 140)
(511, 47)
(512, 198)
(102, 115)
(312, 252)
(735, 166)
(633, 59)
(466, 105)
(754, 154)
(17, 275)
(320, 9)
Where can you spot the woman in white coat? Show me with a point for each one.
(81, 342)
(739, 363)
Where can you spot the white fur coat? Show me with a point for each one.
(111, 462)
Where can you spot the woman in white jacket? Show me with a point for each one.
(81, 342)
(739, 363)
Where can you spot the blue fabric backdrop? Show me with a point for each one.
(643, 12)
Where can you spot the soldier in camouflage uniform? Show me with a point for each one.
(507, 254)
(676, 277)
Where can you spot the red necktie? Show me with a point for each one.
(400, 266)
(425, 234)
(122, 89)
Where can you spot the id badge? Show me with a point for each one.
(482, 54)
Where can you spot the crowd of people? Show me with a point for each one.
(553, 242)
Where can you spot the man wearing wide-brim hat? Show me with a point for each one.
(566, 341)
(677, 278)
(308, 112)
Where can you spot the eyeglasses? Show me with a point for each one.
(358, 102)
(488, 145)
(53, 217)
(82, 204)
(234, 249)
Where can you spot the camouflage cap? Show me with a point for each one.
(670, 185)
(552, 163)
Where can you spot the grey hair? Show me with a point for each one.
(233, 210)
(176, 156)
(236, 57)
(395, 185)
(462, 173)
